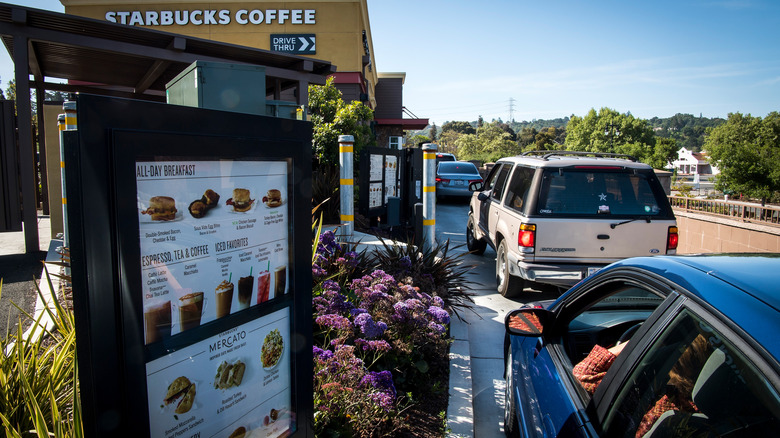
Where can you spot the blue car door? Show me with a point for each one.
(545, 405)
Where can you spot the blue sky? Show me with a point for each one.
(556, 58)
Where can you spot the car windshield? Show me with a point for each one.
(599, 191)
(455, 167)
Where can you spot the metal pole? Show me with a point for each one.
(429, 196)
(27, 165)
(346, 186)
(67, 122)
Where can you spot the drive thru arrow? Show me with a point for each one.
(305, 43)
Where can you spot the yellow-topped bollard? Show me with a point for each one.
(429, 196)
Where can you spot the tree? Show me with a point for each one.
(447, 140)
(527, 137)
(545, 140)
(489, 144)
(746, 149)
(418, 140)
(434, 133)
(332, 117)
(458, 127)
(664, 153)
(610, 131)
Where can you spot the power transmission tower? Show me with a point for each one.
(511, 109)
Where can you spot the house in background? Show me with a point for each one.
(693, 163)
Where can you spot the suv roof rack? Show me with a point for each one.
(545, 155)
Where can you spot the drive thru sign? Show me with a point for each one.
(298, 44)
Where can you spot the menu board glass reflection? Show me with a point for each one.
(214, 241)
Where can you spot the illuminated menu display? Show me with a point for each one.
(214, 241)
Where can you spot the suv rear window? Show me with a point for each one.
(586, 192)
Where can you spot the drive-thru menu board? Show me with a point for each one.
(214, 241)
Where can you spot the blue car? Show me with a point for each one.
(651, 347)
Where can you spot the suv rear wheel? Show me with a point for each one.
(474, 245)
(509, 286)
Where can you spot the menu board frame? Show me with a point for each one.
(381, 176)
(113, 135)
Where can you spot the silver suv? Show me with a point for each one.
(557, 217)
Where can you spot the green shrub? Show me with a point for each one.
(39, 394)
(436, 272)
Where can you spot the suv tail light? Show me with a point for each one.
(526, 236)
(672, 238)
(442, 180)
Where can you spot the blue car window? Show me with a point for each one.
(606, 320)
(694, 382)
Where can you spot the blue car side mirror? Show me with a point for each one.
(527, 321)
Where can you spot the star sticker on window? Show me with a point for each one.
(602, 197)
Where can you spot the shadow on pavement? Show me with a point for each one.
(19, 273)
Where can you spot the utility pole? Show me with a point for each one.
(511, 109)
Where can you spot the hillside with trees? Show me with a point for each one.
(685, 129)
(654, 141)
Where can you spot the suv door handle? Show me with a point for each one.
(603, 236)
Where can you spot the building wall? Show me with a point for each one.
(389, 94)
(53, 167)
(338, 27)
(383, 134)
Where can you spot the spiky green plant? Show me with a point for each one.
(436, 271)
(39, 391)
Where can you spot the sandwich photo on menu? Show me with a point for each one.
(161, 208)
(199, 207)
(273, 198)
(241, 200)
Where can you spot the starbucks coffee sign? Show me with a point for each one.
(213, 17)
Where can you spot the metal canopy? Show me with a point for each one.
(105, 58)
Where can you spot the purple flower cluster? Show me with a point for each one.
(373, 288)
(331, 300)
(368, 327)
(421, 313)
(334, 321)
(321, 354)
(376, 346)
(331, 258)
(362, 324)
(381, 381)
(405, 263)
(327, 245)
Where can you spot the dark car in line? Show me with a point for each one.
(700, 349)
(454, 177)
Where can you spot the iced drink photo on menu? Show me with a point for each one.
(190, 310)
(280, 281)
(245, 290)
(263, 286)
(224, 297)
(157, 321)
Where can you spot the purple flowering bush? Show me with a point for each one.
(378, 342)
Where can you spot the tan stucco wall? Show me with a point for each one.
(50, 113)
(708, 234)
(339, 25)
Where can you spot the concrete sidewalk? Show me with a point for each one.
(23, 275)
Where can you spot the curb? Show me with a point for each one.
(460, 410)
